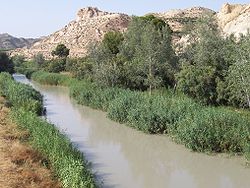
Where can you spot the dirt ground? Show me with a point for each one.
(20, 165)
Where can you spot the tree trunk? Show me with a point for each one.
(246, 90)
(150, 77)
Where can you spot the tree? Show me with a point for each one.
(55, 65)
(18, 60)
(6, 65)
(148, 51)
(239, 78)
(112, 40)
(107, 66)
(39, 59)
(80, 68)
(206, 52)
(197, 82)
(61, 51)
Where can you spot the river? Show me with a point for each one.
(122, 157)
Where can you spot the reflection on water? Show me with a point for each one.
(125, 158)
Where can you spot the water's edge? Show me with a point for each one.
(123, 157)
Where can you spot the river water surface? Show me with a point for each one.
(122, 157)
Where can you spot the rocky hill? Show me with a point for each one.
(9, 42)
(176, 19)
(91, 24)
(234, 19)
(89, 27)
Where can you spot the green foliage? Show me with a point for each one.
(51, 78)
(27, 68)
(238, 78)
(141, 59)
(39, 59)
(54, 65)
(157, 22)
(212, 129)
(67, 162)
(149, 55)
(199, 128)
(198, 82)
(61, 51)
(204, 62)
(20, 95)
(93, 95)
(18, 60)
(80, 68)
(6, 65)
(112, 40)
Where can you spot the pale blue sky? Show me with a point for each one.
(34, 18)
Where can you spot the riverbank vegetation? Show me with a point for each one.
(21, 165)
(67, 162)
(201, 128)
(196, 95)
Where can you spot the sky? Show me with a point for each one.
(36, 18)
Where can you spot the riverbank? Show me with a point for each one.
(68, 164)
(20, 164)
(198, 127)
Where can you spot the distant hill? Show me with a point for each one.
(9, 42)
(91, 24)
(89, 27)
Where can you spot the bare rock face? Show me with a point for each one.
(89, 27)
(178, 18)
(234, 19)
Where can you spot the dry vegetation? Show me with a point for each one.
(20, 165)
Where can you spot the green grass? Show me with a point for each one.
(51, 78)
(198, 127)
(68, 163)
(20, 95)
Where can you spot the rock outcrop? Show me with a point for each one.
(178, 18)
(234, 19)
(89, 27)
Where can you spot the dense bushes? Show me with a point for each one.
(218, 130)
(92, 95)
(6, 65)
(199, 128)
(50, 79)
(20, 95)
(67, 162)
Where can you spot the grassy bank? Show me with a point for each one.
(23, 166)
(198, 127)
(67, 162)
(51, 78)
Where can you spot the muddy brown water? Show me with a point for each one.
(122, 157)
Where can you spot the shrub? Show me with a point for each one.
(214, 129)
(51, 78)
(6, 65)
(20, 95)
